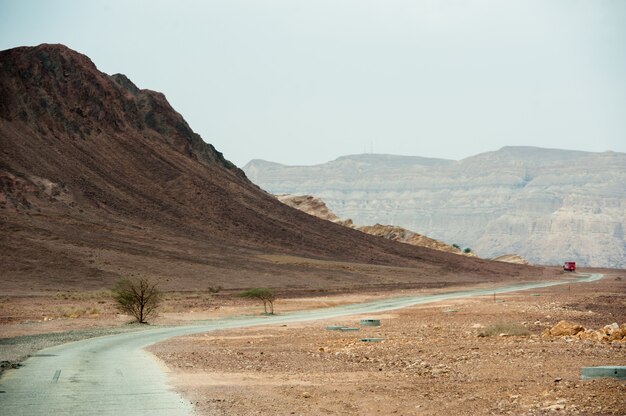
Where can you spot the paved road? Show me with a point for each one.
(112, 375)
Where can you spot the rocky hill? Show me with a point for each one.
(315, 206)
(101, 179)
(511, 258)
(546, 205)
(393, 232)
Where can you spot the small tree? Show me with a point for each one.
(264, 295)
(456, 246)
(137, 297)
(467, 250)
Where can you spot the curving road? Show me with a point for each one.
(112, 375)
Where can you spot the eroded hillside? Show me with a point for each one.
(101, 179)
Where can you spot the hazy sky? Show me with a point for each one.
(303, 82)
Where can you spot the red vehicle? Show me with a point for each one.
(569, 266)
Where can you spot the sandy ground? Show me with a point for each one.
(432, 361)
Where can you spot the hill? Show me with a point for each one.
(101, 179)
(315, 206)
(547, 205)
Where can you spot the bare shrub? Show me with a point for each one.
(264, 295)
(74, 312)
(138, 297)
(505, 328)
(216, 289)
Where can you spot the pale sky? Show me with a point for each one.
(304, 82)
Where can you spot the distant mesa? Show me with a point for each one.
(546, 205)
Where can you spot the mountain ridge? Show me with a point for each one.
(548, 205)
(100, 179)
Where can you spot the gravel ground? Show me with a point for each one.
(433, 361)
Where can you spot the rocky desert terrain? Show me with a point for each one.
(546, 205)
(471, 357)
(100, 179)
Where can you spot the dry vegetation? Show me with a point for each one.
(504, 329)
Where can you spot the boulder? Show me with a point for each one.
(608, 333)
(564, 328)
(591, 335)
(614, 332)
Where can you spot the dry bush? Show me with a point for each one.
(138, 297)
(73, 312)
(98, 295)
(506, 328)
(265, 295)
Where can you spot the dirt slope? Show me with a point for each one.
(101, 179)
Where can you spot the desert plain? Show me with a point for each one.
(481, 355)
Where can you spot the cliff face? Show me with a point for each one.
(100, 179)
(546, 205)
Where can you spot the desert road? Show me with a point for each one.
(112, 375)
